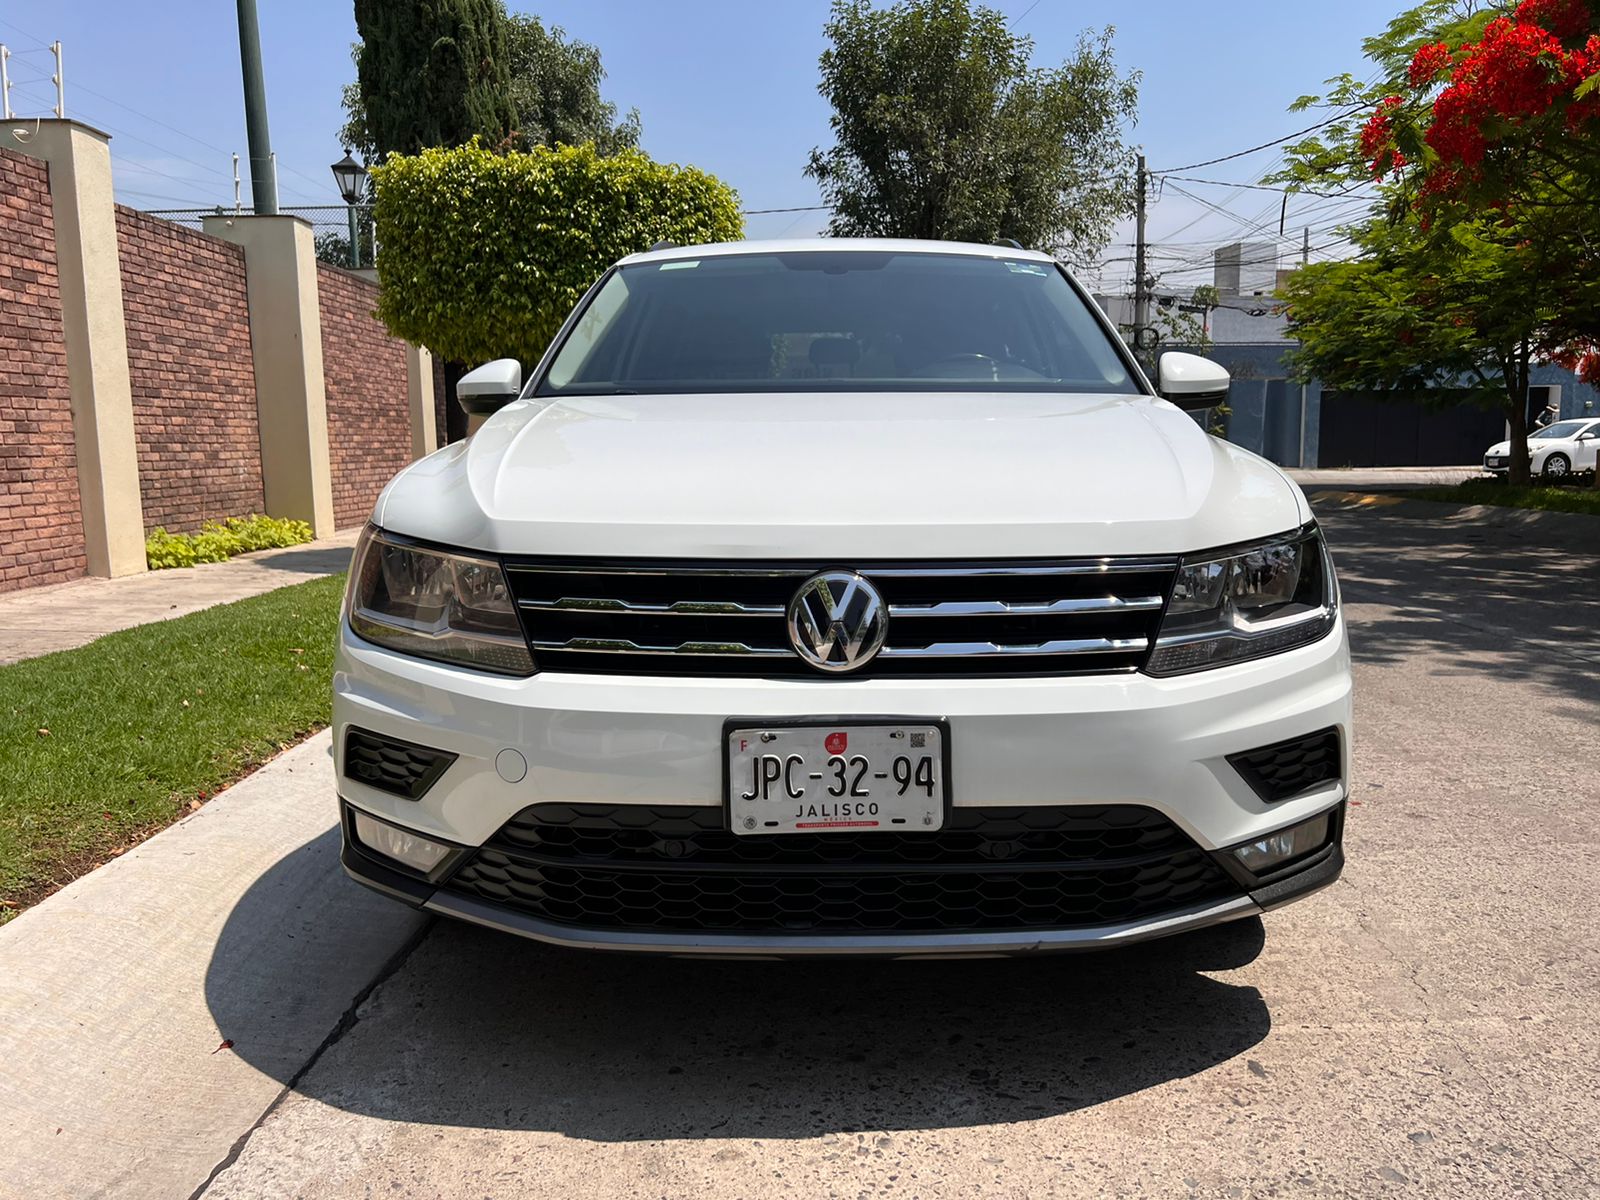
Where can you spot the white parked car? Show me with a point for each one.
(842, 597)
(1555, 451)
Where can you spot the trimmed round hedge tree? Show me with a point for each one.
(482, 255)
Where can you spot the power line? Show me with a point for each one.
(1288, 137)
(761, 212)
(79, 87)
(1023, 13)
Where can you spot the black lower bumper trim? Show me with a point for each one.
(374, 872)
(1319, 872)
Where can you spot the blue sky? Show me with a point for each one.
(728, 85)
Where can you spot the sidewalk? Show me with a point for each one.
(155, 1008)
(1356, 478)
(37, 621)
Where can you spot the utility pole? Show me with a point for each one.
(1305, 390)
(263, 173)
(1141, 291)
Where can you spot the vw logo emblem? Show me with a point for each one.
(837, 621)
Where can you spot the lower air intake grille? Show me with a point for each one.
(679, 869)
(1290, 768)
(391, 765)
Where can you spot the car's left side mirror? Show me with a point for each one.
(1191, 382)
(489, 388)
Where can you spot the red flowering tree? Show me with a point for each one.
(1483, 130)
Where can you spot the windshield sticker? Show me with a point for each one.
(1027, 268)
(684, 264)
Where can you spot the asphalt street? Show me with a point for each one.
(1425, 1027)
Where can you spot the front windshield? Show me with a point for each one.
(845, 320)
(1561, 429)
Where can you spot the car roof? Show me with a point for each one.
(835, 246)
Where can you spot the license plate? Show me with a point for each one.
(816, 778)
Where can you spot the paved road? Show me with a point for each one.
(1426, 1027)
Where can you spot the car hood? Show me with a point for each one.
(841, 477)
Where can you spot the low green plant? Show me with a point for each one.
(218, 541)
(483, 255)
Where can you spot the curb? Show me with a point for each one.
(1581, 529)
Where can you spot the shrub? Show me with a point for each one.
(217, 542)
(482, 255)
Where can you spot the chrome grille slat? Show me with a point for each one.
(687, 608)
(1048, 608)
(946, 619)
(1106, 566)
(991, 650)
(698, 649)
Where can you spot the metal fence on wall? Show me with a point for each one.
(330, 227)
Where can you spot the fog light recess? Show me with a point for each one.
(1277, 849)
(404, 847)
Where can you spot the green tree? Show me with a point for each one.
(1474, 273)
(553, 85)
(944, 130)
(555, 88)
(430, 73)
(1427, 318)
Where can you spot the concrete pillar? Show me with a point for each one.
(419, 388)
(280, 264)
(96, 338)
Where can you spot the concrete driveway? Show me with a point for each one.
(1425, 1027)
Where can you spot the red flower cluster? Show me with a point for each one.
(1377, 138)
(1517, 71)
(1430, 62)
(1564, 18)
(1521, 68)
(1584, 359)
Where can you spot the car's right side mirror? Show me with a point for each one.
(489, 388)
(1191, 382)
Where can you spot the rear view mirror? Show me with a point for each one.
(491, 387)
(1191, 382)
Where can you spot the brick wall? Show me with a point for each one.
(364, 374)
(41, 521)
(194, 397)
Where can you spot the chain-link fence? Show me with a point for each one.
(330, 227)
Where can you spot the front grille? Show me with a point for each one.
(1291, 767)
(679, 869)
(391, 765)
(691, 618)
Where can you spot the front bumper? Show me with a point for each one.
(1161, 744)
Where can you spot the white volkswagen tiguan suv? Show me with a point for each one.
(842, 597)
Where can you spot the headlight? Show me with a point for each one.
(1258, 600)
(452, 607)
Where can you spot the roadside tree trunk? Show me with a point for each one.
(1515, 373)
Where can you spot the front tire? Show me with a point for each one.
(1557, 466)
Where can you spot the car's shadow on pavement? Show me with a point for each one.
(481, 1029)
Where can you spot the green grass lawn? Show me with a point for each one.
(1572, 498)
(102, 745)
